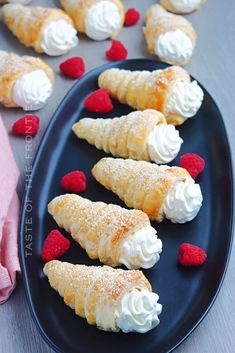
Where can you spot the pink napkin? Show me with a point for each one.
(9, 217)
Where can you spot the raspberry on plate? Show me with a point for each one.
(74, 181)
(99, 101)
(193, 163)
(54, 246)
(191, 255)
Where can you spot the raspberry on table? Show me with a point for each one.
(117, 51)
(27, 125)
(132, 16)
(73, 67)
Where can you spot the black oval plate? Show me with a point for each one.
(186, 294)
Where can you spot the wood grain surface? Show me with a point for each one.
(213, 65)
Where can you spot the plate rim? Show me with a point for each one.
(28, 189)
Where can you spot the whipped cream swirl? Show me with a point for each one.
(138, 311)
(183, 201)
(175, 47)
(103, 19)
(164, 143)
(58, 38)
(186, 5)
(32, 91)
(185, 99)
(142, 249)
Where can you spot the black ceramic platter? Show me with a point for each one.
(185, 293)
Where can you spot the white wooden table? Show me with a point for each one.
(213, 66)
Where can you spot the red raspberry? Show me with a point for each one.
(27, 125)
(117, 51)
(193, 163)
(74, 181)
(54, 246)
(99, 101)
(73, 67)
(132, 17)
(191, 255)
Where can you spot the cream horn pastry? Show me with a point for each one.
(169, 91)
(25, 81)
(107, 232)
(99, 19)
(111, 299)
(171, 37)
(47, 30)
(142, 135)
(160, 191)
(182, 6)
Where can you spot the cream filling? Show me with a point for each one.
(103, 19)
(186, 5)
(58, 38)
(185, 98)
(138, 311)
(164, 143)
(183, 201)
(174, 47)
(32, 91)
(142, 249)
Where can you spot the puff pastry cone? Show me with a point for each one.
(46, 30)
(111, 299)
(182, 6)
(160, 191)
(25, 81)
(171, 37)
(99, 19)
(107, 232)
(142, 135)
(169, 91)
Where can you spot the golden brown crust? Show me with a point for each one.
(141, 185)
(159, 21)
(170, 7)
(77, 10)
(125, 137)
(27, 22)
(99, 228)
(92, 290)
(13, 66)
(144, 89)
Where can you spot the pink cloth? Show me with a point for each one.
(9, 217)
